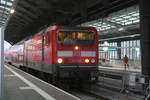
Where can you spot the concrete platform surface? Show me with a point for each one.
(118, 70)
(23, 86)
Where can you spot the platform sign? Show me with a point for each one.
(107, 49)
(2, 63)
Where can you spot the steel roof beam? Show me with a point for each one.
(30, 15)
(5, 5)
(26, 18)
(2, 9)
(112, 23)
(127, 30)
(20, 22)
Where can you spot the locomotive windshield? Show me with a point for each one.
(75, 37)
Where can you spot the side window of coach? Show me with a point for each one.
(47, 38)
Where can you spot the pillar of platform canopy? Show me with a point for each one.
(145, 36)
(119, 49)
(1, 63)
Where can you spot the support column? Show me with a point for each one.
(119, 50)
(145, 35)
(1, 63)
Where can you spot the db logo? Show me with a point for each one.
(77, 53)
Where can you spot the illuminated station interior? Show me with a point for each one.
(74, 50)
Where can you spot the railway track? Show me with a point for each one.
(86, 95)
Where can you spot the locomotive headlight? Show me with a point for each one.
(76, 48)
(87, 60)
(59, 60)
(92, 60)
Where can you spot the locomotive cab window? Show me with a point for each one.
(75, 37)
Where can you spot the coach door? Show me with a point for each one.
(26, 56)
(43, 42)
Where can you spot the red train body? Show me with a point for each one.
(52, 53)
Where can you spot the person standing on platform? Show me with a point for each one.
(125, 61)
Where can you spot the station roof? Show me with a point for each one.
(121, 23)
(121, 18)
(5, 8)
(30, 15)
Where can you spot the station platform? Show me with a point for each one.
(22, 86)
(118, 70)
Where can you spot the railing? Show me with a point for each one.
(129, 81)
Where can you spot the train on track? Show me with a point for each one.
(62, 52)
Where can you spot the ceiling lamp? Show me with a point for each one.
(121, 29)
(12, 11)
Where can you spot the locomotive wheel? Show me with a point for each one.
(10, 63)
(41, 74)
(55, 80)
(26, 69)
(95, 80)
(48, 78)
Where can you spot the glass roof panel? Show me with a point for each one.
(125, 19)
(5, 7)
(121, 18)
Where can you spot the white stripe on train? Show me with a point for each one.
(70, 53)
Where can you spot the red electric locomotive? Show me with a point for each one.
(63, 52)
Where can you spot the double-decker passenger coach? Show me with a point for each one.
(63, 52)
